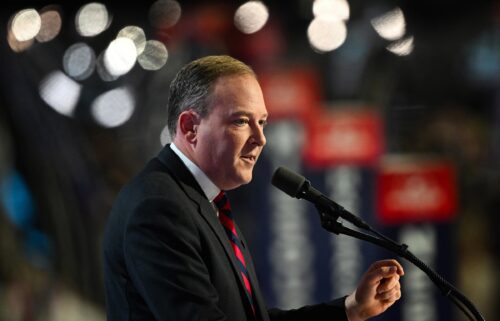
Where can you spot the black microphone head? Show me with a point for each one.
(288, 181)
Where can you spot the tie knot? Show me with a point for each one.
(222, 202)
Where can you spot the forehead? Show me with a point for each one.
(238, 93)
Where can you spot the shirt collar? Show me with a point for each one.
(209, 188)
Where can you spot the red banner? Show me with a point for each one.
(409, 192)
(290, 93)
(344, 137)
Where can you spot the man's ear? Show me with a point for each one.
(188, 125)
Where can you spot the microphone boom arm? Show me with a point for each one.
(299, 187)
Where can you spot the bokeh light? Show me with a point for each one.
(338, 9)
(120, 56)
(251, 16)
(26, 24)
(113, 108)
(391, 25)
(402, 47)
(79, 61)
(51, 24)
(154, 56)
(165, 137)
(16, 45)
(326, 34)
(92, 19)
(136, 34)
(60, 92)
(164, 13)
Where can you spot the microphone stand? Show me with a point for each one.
(329, 221)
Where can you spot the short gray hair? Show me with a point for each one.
(192, 85)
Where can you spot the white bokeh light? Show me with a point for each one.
(113, 108)
(338, 9)
(326, 34)
(391, 25)
(60, 92)
(79, 61)
(154, 56)
(402, 47)
(26, 24)
(251, 16)
(120, 56)
(92, 19)
(136, 34)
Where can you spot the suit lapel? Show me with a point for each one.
(190, 186)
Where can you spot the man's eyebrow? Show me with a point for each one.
(245, 113)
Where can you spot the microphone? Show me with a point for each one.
(299, 187)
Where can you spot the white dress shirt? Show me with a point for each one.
(209, 188)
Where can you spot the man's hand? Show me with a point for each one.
(378, 289)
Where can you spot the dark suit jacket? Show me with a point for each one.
(166, 256)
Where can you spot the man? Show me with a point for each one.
(167, 256)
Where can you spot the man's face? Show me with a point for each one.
(230, 138)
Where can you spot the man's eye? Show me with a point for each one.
(241, 121)
(263, 123)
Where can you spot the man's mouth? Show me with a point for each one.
(250, 158)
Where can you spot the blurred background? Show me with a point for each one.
(392, 108)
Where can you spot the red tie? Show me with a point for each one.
(226, 218)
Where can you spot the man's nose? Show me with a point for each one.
(258, 135)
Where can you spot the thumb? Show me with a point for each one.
(384, 272)
(389, 270)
